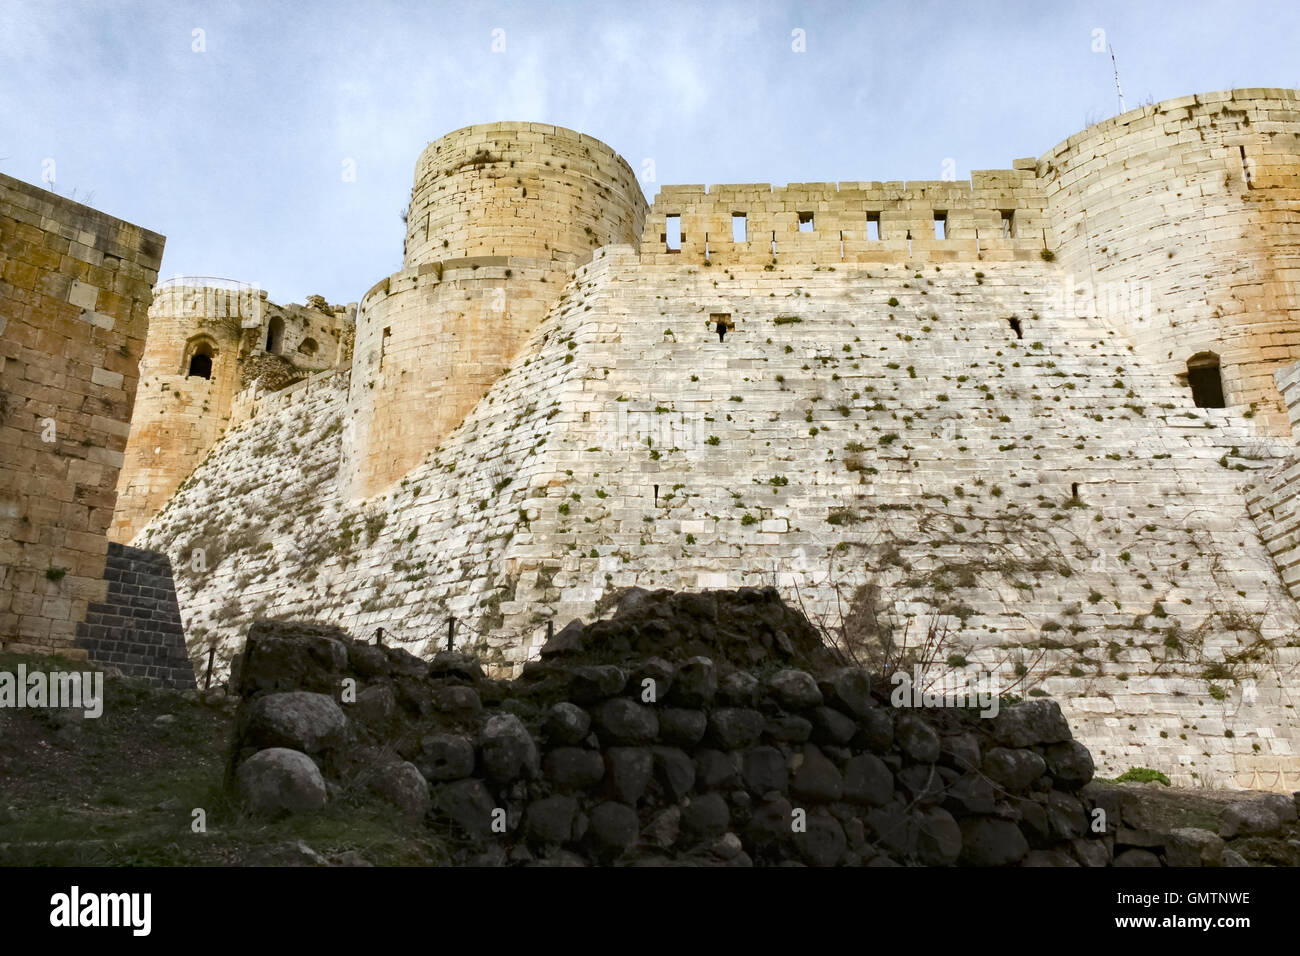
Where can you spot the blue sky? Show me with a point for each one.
(237, 153)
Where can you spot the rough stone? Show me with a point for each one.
(625, 722)
(296, 720)
(987, 841)
(795, 689)
(508, 750)
(445, 757)
(279, 780)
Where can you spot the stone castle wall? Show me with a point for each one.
(945, 442)
(75, 287)
(179, 416)
(936, 460)
(1180, 219)
(499, 215)
(1273, 502)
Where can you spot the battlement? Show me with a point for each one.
(997, 214)
(520, 189)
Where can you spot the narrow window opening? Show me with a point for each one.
(706, 247)
(941, 225)
(841, 243)
(383, 346)
(1074, 490)
(1205, 380)
(673, 233)
(1008, 224)
(873, 226)
(200, 362)
(739, 227)
(275, 335)
(656, 495)
(773, 243)
(1245, 168)
(1015, 327)
(805, 222)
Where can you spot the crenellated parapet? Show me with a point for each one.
(998, 215)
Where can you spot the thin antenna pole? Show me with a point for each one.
(1118, 88)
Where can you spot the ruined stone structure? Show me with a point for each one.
(74, 292)
(214, 347)
(1015, 420)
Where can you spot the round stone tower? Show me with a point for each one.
(1176, 223)
(500, 216)
(189, 375)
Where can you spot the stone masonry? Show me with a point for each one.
(75, 288)
(137, 628)
(955, 413)
(251, 345)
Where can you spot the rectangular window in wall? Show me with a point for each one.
(383, 346)
(739, 227)
(673, 233)
(873, 226)
(1008, 224)
(805, 222)
(941, 225)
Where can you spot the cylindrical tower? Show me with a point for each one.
(1177, 223)
(188, 376)
(500, 216)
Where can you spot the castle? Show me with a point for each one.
(1037, 424)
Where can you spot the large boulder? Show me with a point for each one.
(1192, 846)
(445, 757)
(989, 841)
(278, 780)
(291, 655)
(795, 689)
(401, 784)
(938, 841)
(1030, 723)
(296, 720)
(625, 722)
(916, 739)
(1249, 818)
(1013, 769)
(467, 803)
(1069, 763)
(508, 749)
